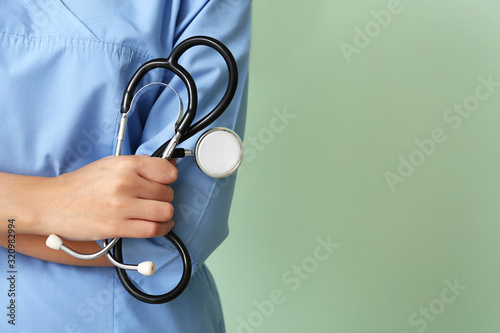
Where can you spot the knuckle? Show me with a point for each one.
(168, 211)
(173, 174)
(170, 194)
(152, 230)
(115, 204)
(124, 185)
(113, 230)
(124, 163)
(170, 172)
(121, 183)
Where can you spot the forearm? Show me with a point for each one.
(113, 197)
(18, 195)
(34, 246)
(125, 196)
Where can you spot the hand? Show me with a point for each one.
(125, 196)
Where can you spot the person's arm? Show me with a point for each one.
(34, 246)
(127, 196)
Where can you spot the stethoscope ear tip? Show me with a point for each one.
(146, 268)
(54, 242)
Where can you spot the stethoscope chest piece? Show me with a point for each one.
(219, 152)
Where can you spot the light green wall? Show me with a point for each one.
(423, 256)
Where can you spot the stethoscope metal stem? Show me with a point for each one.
(90, 256)
(169, 150)
(121, 134)
(56, 243)
(145, 267)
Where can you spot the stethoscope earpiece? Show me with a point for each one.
(54, 242)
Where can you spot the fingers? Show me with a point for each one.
(142, 219)
(125, 196)
(150, 190)
(158, 170)
(152, 215)
(155, 211)
(146, 229)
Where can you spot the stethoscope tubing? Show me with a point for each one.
(226, 98)
(184, 131)
(163, 298)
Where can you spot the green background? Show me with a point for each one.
(321, 175)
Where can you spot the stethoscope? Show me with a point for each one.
(218, 153)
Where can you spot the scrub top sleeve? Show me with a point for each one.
(201, 203)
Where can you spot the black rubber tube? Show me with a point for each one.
(163, 298)
(187, 130)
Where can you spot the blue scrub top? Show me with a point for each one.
(63, 68)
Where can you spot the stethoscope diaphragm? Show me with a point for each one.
(219, 152)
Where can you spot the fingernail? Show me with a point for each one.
(171, 223)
